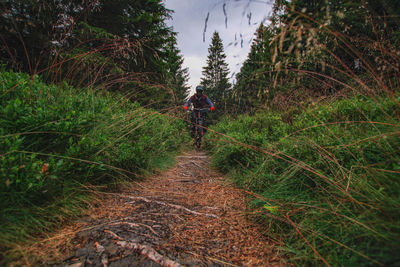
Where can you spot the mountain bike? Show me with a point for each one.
(199, 125)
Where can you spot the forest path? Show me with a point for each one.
(186, 216)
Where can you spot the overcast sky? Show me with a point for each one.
(188, 20)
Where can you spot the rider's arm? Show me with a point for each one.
(209, 102)
(187, 104)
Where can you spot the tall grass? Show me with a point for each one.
(58, 141)
(327, 183)
(321, 161)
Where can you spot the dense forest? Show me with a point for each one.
(122, 46)
(91, 93)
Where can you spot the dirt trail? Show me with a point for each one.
(187, 216)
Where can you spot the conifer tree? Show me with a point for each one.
(253, 86)
(215, 74)
(176, 76)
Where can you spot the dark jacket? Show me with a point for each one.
(199, 101)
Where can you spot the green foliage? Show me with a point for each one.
(253, 87)
(176, 76)
(215, 74)
(320, 49)
(332, 172)
(58, 141)
(106, 44)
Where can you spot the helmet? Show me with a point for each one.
(199, 89)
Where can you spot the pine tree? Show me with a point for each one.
(176, 76)
(215, 74)
(253, 87)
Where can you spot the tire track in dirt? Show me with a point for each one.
(187, 216)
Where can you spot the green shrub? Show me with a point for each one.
(57, 140)
(333, 173)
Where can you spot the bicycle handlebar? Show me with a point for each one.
(201, 109)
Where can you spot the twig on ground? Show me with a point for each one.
(104, 260)
(113, 234)
(175, 206)
(99, 248)
(197, 165)
(136, 225)
(150, 253)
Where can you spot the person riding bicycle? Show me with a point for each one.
(199, 101)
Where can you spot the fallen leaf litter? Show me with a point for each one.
(186, 216)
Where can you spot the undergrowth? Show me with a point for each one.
(327, 182)
(59, 143)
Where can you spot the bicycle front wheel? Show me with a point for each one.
(198, 141)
